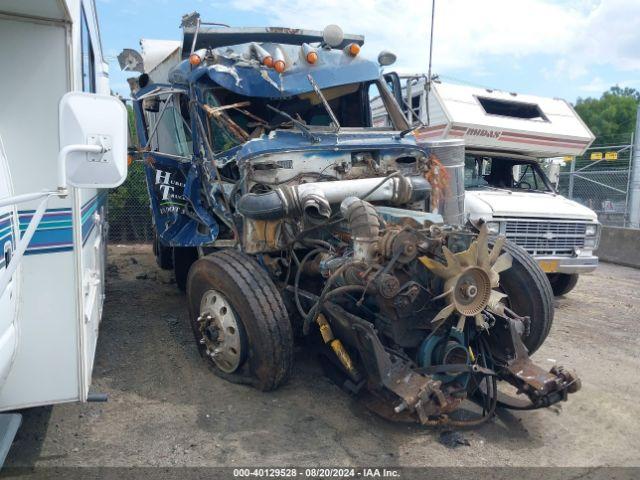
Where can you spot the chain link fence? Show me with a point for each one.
(129, 211)
(599, 179)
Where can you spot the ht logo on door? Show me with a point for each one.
(169, 192)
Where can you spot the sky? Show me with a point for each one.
(566, 49)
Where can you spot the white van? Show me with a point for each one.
(63, 140)
(507, 135)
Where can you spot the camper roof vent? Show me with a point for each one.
(509, 108)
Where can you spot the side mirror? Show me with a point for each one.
(93, 141)
(393, 82)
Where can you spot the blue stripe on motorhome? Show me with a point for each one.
(55, 232)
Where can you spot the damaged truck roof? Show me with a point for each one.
(249, 78)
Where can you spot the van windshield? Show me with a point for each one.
(483, 172)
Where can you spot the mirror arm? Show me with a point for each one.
(62, 162)
(26, 238)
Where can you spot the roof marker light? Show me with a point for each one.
(279, 64)
(264, 56)
(194, 59)
(352, 49)
(310, 54)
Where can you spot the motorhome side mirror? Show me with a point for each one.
(93, 141)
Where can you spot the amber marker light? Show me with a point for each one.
(353, 49)
(279, 66)
(268, 61)
(194, 59)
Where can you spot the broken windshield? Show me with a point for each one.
(234, 119)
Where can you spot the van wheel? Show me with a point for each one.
(183, 258)
(562, 283)
(239, 320)
(529, 294)
(163, 254)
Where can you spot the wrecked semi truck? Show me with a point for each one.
(285, 214)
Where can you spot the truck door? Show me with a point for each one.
(8, 298)
(169, 168)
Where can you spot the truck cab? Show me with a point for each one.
(508, 137)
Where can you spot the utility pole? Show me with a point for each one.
(433, 16)
(634, 184)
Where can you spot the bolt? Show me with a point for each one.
(400, 408)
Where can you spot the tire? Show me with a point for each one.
(529, 294)
(259, 312)
(163, 254)
(562, 283)
(183, 258)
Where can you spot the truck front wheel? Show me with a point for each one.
(239, 320)
(562, 283)
(529, 294)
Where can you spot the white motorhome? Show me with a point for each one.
(507, 135)
(63, 140)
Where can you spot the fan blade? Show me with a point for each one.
(444, 313)
(479, 320)
(437, 268)
(483, 247)
(494, 278)
(497, 248)
(469, 257)
(453, 264)
(461, 321)
(503, 263)
(494, 302)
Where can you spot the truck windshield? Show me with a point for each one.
(504, 173)
(235, 119)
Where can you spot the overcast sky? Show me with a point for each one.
(568, 49)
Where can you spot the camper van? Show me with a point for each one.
(63, 141)
(508, 137)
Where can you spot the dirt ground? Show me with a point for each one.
(165, 408)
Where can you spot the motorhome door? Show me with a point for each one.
(8, 298)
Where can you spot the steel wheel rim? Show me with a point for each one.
(221, 331)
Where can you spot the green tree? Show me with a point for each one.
(612, 117)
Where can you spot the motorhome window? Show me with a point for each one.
(88, 58)
(171, 135)
(508, 108)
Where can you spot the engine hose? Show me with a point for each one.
(327, 293)
(296, 281)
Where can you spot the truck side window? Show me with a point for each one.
(172, 135)
(379, 116)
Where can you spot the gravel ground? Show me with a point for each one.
(165, 408)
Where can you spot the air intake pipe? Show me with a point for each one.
(313, 200)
